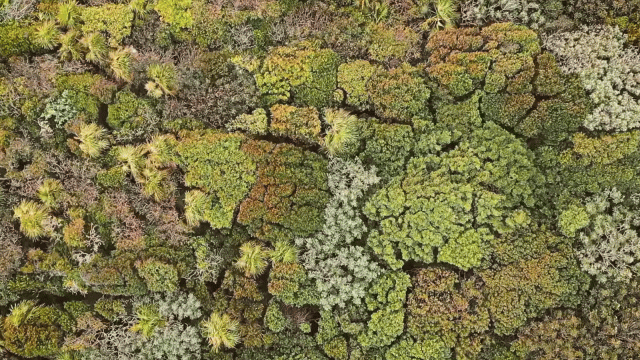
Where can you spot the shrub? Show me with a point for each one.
(255, 123)
(446, 185)
(302, 124)
(215, 91)
(115, 19)
(176, 13)
(607, 71)
(506, 58)
(536, 15)
(215, 163)
(307, 75)
(15, 39)
(33, 331)
(399, 93)
(387, 146)
(353, 78)
(289, 194)
(457, 314)
(127, 112)
(110, 309)
(273, 318)
(407, 349)
(608, 238)
(73, 233)
(512, 296)
(388, 43)
(61, 109)
(341, 269)
(556, 336)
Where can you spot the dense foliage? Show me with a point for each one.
(319, 179)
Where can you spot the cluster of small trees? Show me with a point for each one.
(288, 179)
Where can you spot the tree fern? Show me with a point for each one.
(132, 159)
(197, 204)
(96, 47)
(32, 216)
(342, 138)
(164, 79)
(221, 331)
(69, 14)
(149, 319)
(120, 64)
(252, 259)
(46, 35)
(92, 139)
(50, 192)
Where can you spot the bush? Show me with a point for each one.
(176, 13)
(215, 163)
(158, 275)
(608, 73)
(341, 269)
(115, 19)
(213, 91)
(255, 123)
(608, 238)
(399, 94)
(305, 74)
(432, 204)
(33, 331)
(353, 78)
(127, 112)
(289, 195)
(15, 39)
(301, 124)
(388, 43)
(444, 306)
(387, 146)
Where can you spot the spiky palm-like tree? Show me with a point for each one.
(132, 157)
(284, 252)
(32, 216)
(154, 184)
(96, 48)
(153, 89)
(252, 259)
(221, 331)
(20, 312)
(196, 206)
(441, 14)
(69, 13)
(47, 35)
(120, 64)
(343, 134)
(50, 192)
(149, 319)
(164, 78)
(160, 151)
(92, 139)
(69, 46)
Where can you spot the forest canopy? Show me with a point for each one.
(319, 179)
